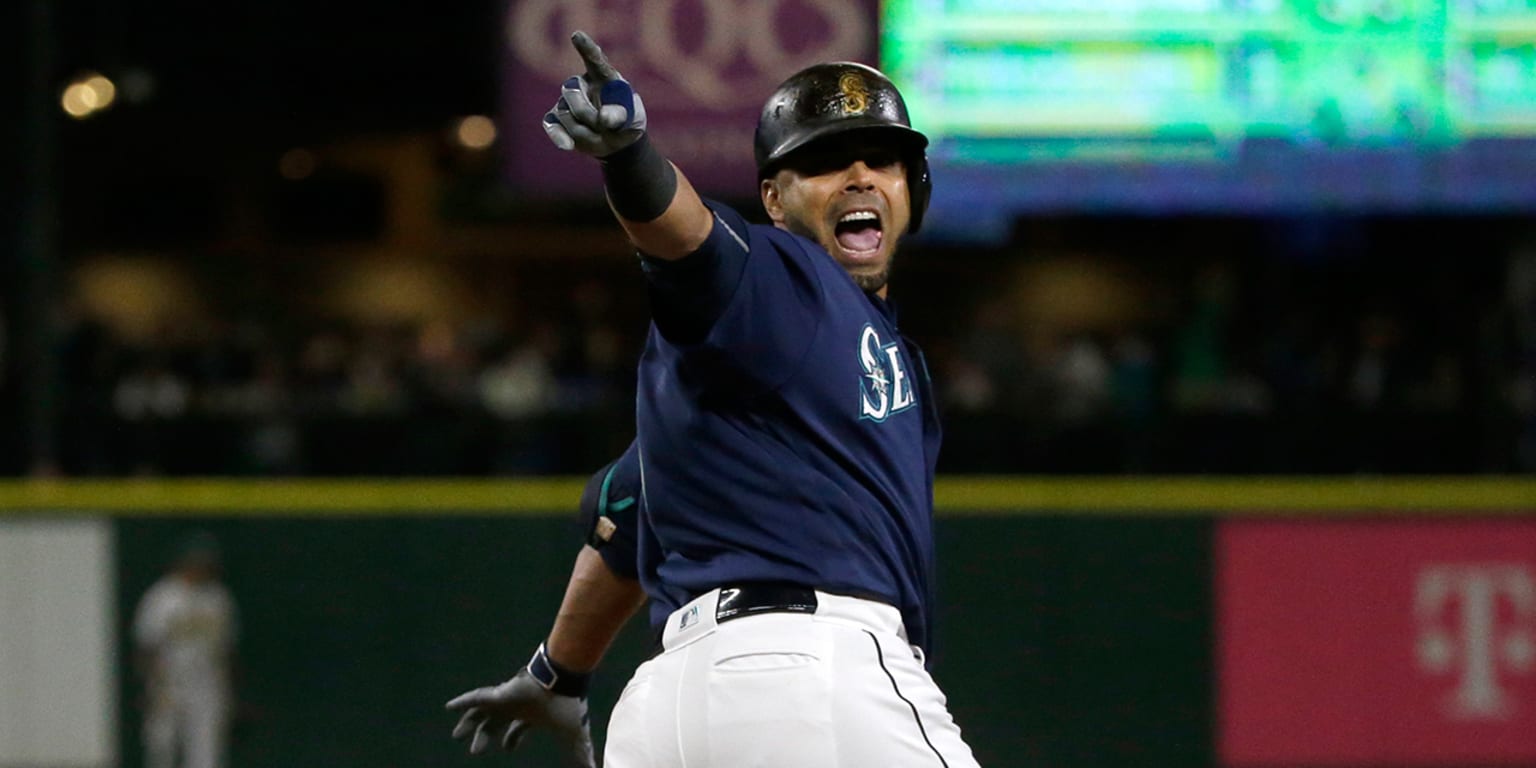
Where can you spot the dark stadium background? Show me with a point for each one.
(1282, 341)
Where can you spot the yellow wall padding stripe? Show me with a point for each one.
(1167, 496)
(292, 497)
(955, 495)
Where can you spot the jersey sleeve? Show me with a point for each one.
(610, 513)
(688, 295)
(746, 303)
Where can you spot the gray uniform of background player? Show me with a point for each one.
(185, 630)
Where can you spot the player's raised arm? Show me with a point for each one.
(599, 114)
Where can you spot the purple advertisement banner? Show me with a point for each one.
(703, 67)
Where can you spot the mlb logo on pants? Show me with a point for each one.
(690, 618)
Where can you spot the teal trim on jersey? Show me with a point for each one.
(603, 507)
(602, 493)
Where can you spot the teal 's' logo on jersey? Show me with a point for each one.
(885, 387)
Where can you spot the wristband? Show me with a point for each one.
(555, 678)
(640, 182)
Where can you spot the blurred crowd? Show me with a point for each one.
(1265, 378)
(346, 399)
(1223, 365)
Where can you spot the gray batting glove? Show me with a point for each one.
(504, 713)
(598, 112)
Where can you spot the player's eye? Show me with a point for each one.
(831, 160)
(881, 158)
(817, 161)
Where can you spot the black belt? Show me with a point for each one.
(744, 600)
(754, 598)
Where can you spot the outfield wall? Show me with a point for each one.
(1082, 622)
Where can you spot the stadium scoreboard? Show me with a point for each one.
(1003, 82)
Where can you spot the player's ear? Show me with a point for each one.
(773, 202)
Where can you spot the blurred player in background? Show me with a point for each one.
(184, 633)
(784, 459)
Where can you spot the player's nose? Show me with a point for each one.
(860, 177)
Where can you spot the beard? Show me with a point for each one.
(868, 281)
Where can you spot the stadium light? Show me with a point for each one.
(475, 132)
(88, 95)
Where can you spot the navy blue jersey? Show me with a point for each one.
(787, 430)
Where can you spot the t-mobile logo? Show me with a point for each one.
(1477, 621)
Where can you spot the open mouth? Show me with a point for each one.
(859, 232)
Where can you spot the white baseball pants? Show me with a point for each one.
(195, 725)
(840, 688)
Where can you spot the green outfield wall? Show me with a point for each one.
(1075, 616)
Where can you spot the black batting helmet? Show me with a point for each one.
(828, 99)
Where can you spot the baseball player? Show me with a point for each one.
(184, 630)
(784, 458)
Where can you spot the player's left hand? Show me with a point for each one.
(505, 712)
(598, 112)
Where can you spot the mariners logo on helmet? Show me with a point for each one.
(855, 95)
(825, 100)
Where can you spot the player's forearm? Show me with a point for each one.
(677, 232)
(654, 202)
(597, 604)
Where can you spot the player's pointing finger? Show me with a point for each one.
(466, 700)
(598, 68)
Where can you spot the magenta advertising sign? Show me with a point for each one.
(703, 67)
(1376, 642)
